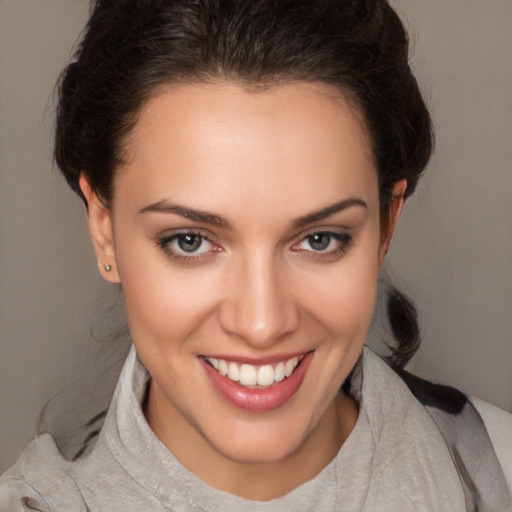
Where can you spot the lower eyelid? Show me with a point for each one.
(344, 241)
(179, 256)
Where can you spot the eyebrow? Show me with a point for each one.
(187, 213)
(326, 212)
(221, 222)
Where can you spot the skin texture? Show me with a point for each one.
(256, 288)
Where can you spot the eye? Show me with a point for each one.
(323, 243)
(319, 241)
(187, 246)
(189, 242)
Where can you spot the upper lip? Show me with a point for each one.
(260, 361)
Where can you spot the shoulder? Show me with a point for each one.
(452, 403)
(31, 482)
(16, 494)
(477, 435)
(499, 426)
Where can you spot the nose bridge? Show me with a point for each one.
(260, 306)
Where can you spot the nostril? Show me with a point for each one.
(258, 306)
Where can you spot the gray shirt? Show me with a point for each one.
(394, 459)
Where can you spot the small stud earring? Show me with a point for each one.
(107, 267)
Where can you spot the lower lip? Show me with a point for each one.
(258, 400)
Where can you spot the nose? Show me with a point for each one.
(259, 305)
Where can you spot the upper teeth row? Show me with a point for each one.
(249, 375)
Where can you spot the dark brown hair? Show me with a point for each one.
(131, 47)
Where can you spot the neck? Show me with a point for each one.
(260, 481)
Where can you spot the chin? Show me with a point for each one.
(259, 448)
(264, 440)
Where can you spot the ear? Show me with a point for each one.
(100, 226)
(391, 220)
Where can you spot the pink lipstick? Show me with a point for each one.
(257, 398)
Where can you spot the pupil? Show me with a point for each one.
(320, 241)
(189, 243)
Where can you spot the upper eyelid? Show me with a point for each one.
(179, 255)
(333, 234)
(340, 231)
(173, 237)
(173, 233)
(344, 244)
(210, 237)
(333, 231)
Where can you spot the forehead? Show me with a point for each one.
(220, 142)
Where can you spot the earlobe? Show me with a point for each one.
(100, 227)
(393, 215)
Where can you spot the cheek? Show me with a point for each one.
(342, 299)
(164, 304)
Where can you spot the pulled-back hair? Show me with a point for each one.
(131, 47)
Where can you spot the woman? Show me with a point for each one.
(244, 165)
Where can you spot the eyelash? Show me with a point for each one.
(344, 242)
(183, 257)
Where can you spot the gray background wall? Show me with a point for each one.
(452, 253)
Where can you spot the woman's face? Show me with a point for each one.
(245, 233)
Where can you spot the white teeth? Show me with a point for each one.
(290, 366)
(223, 367)
(214, 362)
(233, 371)
(279, 372)
(247, 375)
(265, 375)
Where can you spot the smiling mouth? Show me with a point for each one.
(255, 376)
(257, 387)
